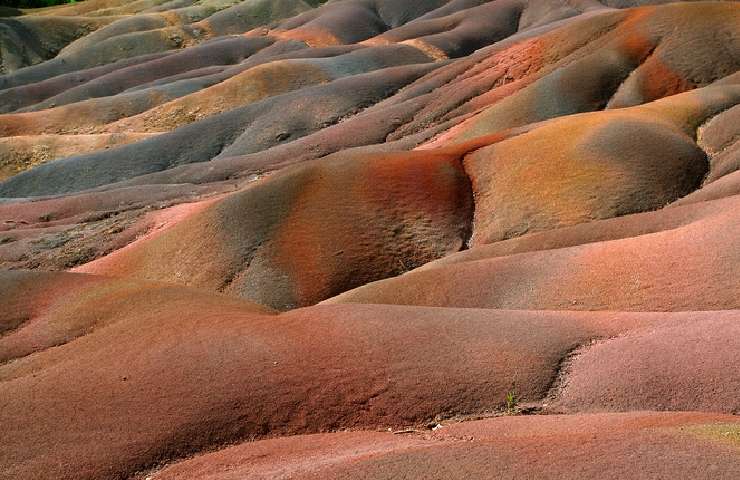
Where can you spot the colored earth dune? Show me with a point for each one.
(370, 239)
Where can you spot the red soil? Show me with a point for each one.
(580, 446)
(194, 371)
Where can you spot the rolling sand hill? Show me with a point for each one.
(377, 239)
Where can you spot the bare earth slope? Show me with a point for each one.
(378, 239)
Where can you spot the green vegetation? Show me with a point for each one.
(727, 433)
(32, 3)
(512, 402)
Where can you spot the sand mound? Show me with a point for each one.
(246, 238)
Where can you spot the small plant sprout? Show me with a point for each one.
(512, 401)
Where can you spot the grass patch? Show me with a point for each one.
(727, 433)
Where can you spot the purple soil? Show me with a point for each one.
(683, 366)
